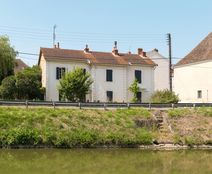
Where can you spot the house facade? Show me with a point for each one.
(161, 73)
(192, 75)
(112, 73)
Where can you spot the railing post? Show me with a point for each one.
(26, 104)
(105, 106)
(80, 106)
(128, 105)
(53, 104)
(194, 105)
(150, 106)
(172, 105)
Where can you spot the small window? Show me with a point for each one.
(138, 75)
(139, 96)
(199, 94)
(109, 96)
(109, 75)
(60, 71)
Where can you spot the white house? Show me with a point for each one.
(112, 72)
(193, 74)
(161, 73)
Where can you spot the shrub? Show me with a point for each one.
(164, 96)
(179, 112)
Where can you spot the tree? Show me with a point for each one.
(8, 88)
(7, 58)
(164, 96)
(75, 85)
(134, 88)
(28, 83)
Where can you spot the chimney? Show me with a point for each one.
(86, 48)
(115, 49)
(156, 50)
(58, 45)
(140, 51)
(144, 54)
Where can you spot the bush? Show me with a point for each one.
(164, 96)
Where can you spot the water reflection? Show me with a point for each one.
(104, 161)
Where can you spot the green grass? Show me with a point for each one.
(180, 112)
(72, 127)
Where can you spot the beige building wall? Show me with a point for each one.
(191, 78)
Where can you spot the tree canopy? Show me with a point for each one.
(75, 85)
(7, 58)
(24, 85)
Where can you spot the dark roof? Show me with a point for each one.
(19, 65)
(201, 52)
(94, 57)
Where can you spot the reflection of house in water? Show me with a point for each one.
(19, 65)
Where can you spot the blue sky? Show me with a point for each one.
(133, 23)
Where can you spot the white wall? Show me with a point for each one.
(123, 76)
(161, 79)
(188, 79)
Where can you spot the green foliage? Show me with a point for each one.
(28, 83)
(7, 58)
(179, 112)
(164, 96)
(75, 85)
(134, 88)
(205, 111)
(24, 85)
(8, 88)
(71, 127)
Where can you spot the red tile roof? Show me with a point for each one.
(19, 65)
(201, 52)
(94, 57)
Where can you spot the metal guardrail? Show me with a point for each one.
(55, 104)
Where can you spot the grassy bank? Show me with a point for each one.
(72, 127)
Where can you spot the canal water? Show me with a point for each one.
(104, 161)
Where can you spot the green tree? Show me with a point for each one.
(134, 88)
(164, 96)
(7, 58)
(8, 88)
(75, 85)
(28, 83)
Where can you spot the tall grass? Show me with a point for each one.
(72, 127)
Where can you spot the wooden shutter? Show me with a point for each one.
(109, 75)
(138, 75)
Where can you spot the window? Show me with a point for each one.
(109, 96)
(138, 75)
(60, 71)
(199, 94)
(139, 96)
(109, 75)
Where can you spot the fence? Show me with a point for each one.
(55, 104)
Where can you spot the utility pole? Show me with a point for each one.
(54, 35)
(170, 60)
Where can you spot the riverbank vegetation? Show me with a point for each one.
(47, 127)
(72, 127)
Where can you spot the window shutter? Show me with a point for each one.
(109, 75)
(57, 72)
(138, 75)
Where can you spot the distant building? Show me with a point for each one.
(112, 72)
(19, 65)
(193, 74)
(161, 73)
